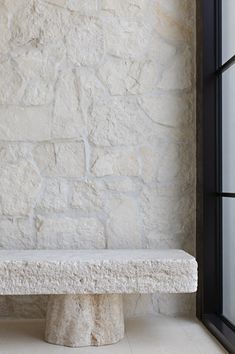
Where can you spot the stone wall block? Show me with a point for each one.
(17, 233)
(88, 196)
(127, 39)
(179, 74)
(68, 119)
(175, 19)
(5, 31)
(20, 184)
(124, 77)
(69, 233)
(125, 8)
(85, 40)
(54, 196)
(25, 123)
(123, 224)
(118, 122)
(60, 159)
(117, 162)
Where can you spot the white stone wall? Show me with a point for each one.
(97, 131)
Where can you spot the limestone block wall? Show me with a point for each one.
(97, 131)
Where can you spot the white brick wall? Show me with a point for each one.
(97, 131)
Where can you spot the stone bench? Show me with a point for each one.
(86, 286)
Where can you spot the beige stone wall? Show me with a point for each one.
(97, 131)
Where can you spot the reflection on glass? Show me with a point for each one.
(228, 129)
(229, 259)
(228, 29)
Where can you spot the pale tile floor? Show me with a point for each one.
(144, 335)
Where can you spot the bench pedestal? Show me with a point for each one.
(83, 320)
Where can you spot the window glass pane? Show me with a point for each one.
(229, 259)
(228, 127)
(228, 29)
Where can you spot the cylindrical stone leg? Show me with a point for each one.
(82, 320)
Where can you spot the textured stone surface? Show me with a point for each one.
(39, 75)
(17, 234)
(123, 184)
(97, 130)
(5, 31)
(54, 196)
(175, 19)
(68, 119)
(37, 22)
(168, 110)
(82, 320)
(167, 162)
(13, 152)
(118, 122)
(123, 224)
(56, 233)
(97, 272)
(85, 41)
(18, 123)
(128, 77)
(127, 39)
(126, 8)
(96, 195)
(60, 159)
(83, 6)
(87, 196)
(166, 214)
(179, 74)
(114, 162)
(10, 83)
(19, 185)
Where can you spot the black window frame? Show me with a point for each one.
(209, 172)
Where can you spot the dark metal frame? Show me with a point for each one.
(209, 172)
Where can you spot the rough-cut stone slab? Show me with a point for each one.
(96, 272)
(82, 320)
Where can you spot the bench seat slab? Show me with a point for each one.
(84, 320)
(86, 286)
(96, 272)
